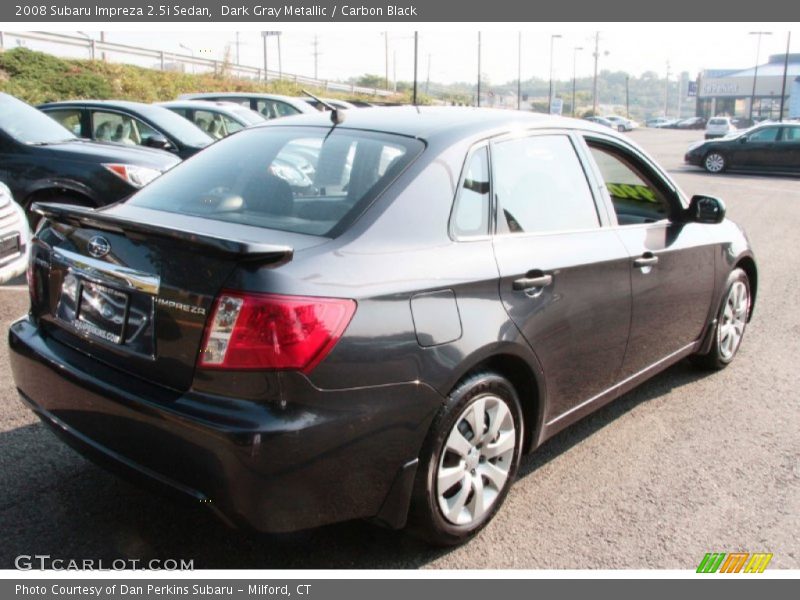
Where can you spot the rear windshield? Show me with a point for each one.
(298, 179)
(178, 127)
(718, 122)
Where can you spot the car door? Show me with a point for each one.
(787, 156)
(564, 275)
(756, 150)
(671, 262)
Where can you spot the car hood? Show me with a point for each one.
(99, 152)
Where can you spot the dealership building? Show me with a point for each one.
(728, 91)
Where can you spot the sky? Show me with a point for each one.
(452, 51)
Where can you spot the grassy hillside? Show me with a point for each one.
(37, 77)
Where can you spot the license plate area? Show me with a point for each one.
(103, 313)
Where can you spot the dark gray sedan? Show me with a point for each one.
(454, 288)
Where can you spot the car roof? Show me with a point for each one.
(204, 105)
(287, 99)
(429, 122)
(124, 104)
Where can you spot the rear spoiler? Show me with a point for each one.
(69, 214)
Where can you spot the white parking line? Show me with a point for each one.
(14, 288)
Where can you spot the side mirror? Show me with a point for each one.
(743, 139)
(158, 141)
(706, 209)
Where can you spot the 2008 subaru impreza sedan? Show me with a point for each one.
(455, 287)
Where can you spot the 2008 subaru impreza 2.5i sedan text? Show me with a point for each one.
(453, 288)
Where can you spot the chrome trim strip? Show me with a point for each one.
(620, 384)
(98, 269)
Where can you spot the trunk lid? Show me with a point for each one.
(133, 287)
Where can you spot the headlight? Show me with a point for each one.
(133, 174)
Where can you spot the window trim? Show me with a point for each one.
(451, 230)
(599, 202)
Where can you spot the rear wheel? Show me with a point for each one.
(621, 128)
(468, 461)
(715, 162)
(731, 323)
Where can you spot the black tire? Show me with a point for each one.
(717, 357)
(426, 519)
(715, 162)
(621, 128)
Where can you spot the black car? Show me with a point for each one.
(462, 285)
(691, 123)
(129, 124)
(217, 119)
(42, 161)
(770, 147)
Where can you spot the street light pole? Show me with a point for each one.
(479, 69)
(519, 72)
(386, 47)
(666, 91)
(785, 71)
(575, 51)
(755, 73)
(416, 49)
(550, 93)
(594, 82)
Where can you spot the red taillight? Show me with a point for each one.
(265, 331)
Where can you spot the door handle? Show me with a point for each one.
(527, 283)
(648, 259)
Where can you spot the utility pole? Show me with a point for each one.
(416, 49)
(394, 70)
(479, 69)
(785, 71)
(316, 55)
(594, 83)
(264, 41)
(519, 72)
(237, 49)
(627, 96)
(280, 65)
(666, 91)
(760, 34)
(575, 51)
(386, 47)
(550, 92)
(428, 79)
(680, 94)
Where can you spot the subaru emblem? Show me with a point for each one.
(98, 246)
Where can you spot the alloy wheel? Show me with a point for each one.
(733, 320)
(715, 162)
(475, 462)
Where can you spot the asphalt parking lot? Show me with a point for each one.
(688, 463)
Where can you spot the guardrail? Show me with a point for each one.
(166, 61)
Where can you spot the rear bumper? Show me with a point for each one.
(321, 456)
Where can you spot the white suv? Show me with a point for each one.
(14, 237)
(719, 127)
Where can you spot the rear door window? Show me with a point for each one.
(302, 180)
(540, 186)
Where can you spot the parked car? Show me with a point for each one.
(602, 121)
(217, 119)
(40, 160)
(772, 147)
(719, 127)
(14, 237)
(657, 122)
(621, 123)
(129, 124)
(270, 106)
(399, 339)
(691, 123)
